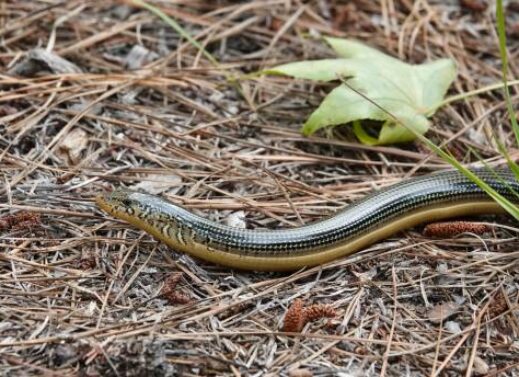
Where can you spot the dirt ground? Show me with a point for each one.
(97, 95)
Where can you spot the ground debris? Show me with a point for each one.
(40, 59)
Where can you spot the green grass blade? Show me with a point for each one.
(179, 29)
(501, 32)
(503, 202)
(472, 93)
(511, 163)
(496, 176)
(506, 204)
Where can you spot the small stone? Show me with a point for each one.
(453, 327)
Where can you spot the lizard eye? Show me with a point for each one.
(126, 202)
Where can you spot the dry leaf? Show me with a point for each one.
(299, 372)
(476, 136)
(157, 183)
(480, 366)
(71, 146)
(476, 6)
(441, 312)
(38, 60)
(366, 276)
(139, 56)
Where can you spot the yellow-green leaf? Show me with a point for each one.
(411, 93)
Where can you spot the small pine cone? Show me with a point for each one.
(453, 228)
(170, 293)
(315, 312)
(170, 283)
(87, 262)
(20, 220)
(4, 224)
(178, 298)
(499, 305)
(295, 318)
